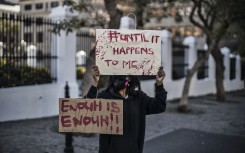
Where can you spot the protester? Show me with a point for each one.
(136, 105)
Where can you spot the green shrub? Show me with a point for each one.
(12, 75)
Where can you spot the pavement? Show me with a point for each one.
(194, 141)
(209, 127)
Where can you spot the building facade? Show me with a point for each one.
(41, 8)
(6, 6)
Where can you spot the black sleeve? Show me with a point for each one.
(157, 104)
(92, 93)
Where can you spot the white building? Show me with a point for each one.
(41, 8)
(6, 6)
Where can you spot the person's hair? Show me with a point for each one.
(134, 84)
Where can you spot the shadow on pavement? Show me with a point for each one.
(193, 141)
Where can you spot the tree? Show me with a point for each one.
(139, 10)
(92, 16)
(214, 19)
(89, 16)
(235, 37)
(114, 23)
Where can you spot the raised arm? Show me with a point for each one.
(93, 91)
(158, 103)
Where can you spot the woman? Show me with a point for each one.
(136, 105)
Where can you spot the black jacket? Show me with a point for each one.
(135, 109)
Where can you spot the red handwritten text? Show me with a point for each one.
(136, 37)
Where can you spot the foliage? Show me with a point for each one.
(235, 38)
(88, 15)
(12, 75)
(139, 9)
(68, 25)
(214, 18)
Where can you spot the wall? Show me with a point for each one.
(29, 101)
(42, 100)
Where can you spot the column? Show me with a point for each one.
(166, 54)
(66, 51)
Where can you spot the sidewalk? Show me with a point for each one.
(207, 115)
(195, 142)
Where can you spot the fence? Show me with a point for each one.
(85, 40)
(26, 57)
(35, 49)
(84, 44)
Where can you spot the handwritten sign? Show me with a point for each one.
(128, 52)
(103, 116)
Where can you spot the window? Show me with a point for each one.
(232, 68)
(181, 31)
(39, 6)
(197, 32)
(188, 10)
(39, 37)
(181, 11)
(28, 7)
(243, 69)
(188, 31)
(54, 4)
(172, 11)
(173, 30)
(179, 61)
(28, 37)
(203, 69)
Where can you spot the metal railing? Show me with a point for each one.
(85, 43)
(26, 57)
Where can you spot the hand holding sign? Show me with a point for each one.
(160, 76)
(91, 116)
(96, 75)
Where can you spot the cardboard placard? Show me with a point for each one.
(128, 52)
(104, 116)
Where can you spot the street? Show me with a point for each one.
(193, 141)
(210, 127)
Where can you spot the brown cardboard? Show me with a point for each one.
(103, 116)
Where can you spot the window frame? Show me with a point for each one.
(26, 5)
(39, 6)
